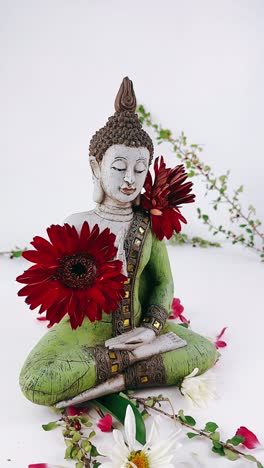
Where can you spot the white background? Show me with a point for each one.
(198, 67)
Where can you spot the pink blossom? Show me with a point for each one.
(218, 342)
(105, 423)
(251, 441)
(42, 318)
(44, 465)
(177, 309)
(73, 411)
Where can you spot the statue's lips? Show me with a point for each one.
(127, 191)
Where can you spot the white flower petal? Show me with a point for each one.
(130, 427)
(107, 465)
(159, 455)
(198, 389)
(121, 446)
(151, 437)
(192, 374)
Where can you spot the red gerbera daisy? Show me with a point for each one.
(74, 274)
(163, 197)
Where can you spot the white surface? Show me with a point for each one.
(197, 66)
(218, 287)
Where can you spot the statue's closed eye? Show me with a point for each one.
(118, 169)
(122, 170)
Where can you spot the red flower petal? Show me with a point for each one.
(220, 344)
(74, 274)
(184, 319)
(251, 441)
(44, 465)
(163, 197)
(74, 411)
(35, 256)
(105, 424)
(221, 333)
(44, 246)
(84, 236)
(176, 307)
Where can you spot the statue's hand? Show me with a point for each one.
(132, 339)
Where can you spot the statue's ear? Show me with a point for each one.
(95, 166)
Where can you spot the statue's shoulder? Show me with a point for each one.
(77, 219)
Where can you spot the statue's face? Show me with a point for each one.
(123, 172)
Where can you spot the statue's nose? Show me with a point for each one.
(129, 177)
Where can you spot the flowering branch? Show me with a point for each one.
(181, 238)
(227, 448)
(78, 445)
(246, 222)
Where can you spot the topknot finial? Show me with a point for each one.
(126, 99)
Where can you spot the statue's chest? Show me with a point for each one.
(137, 252)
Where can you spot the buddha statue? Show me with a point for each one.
(134, 346)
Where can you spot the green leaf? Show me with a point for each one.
(68, 443)
(92, 434)
(164, 134)
(123, 395)
(215, 436)
(236, 440)
(232, 456)
(68, 452)
(83, 420)
(79, 465)
(16, 253)
(76, 437)
(210, 427)
(150, 403)
(191, 173)
(259, 465)
(216, 444)
(181, 415)
(117, 405)
(94, 452)
(184, 325)
(74, 453)
(96, 465)
(50, 426)
(190, 420)
(145, 414)
(191, 435)
(205, 218)
(250, 458)
(86, 445)
(219, 451)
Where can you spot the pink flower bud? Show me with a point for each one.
(251, 441)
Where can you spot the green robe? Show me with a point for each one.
(63, 363)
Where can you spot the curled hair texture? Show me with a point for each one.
(124, 127)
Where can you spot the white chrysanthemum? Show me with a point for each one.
(198, 389)
(128, 453)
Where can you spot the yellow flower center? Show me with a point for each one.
(139, 459)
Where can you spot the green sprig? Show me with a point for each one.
(226, 449)
(246, 224)
(78, 445)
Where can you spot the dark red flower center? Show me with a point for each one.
(77, 271)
